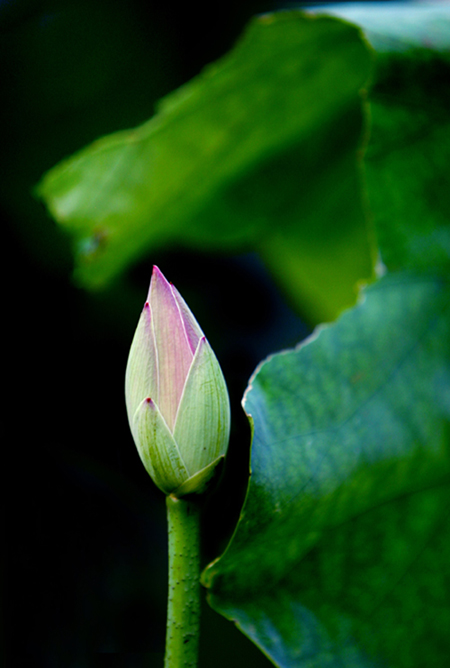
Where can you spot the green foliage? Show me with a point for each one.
(407, 161)
(239, 158)
(342, 553)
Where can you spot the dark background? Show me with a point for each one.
(85, 571)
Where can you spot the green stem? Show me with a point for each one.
(183, 610)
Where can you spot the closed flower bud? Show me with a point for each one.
(176, 396)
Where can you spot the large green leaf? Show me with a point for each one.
(409, 150)
(259, 152)
(342, 553)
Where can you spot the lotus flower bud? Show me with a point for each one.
(176, 396)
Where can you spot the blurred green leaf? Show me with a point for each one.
(407, 160)
(258, 152)
(342, 553)
(409, 149)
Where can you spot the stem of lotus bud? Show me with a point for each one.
(183, 610)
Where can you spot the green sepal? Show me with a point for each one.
(200, 480)
(157, 448)
(141, 373)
